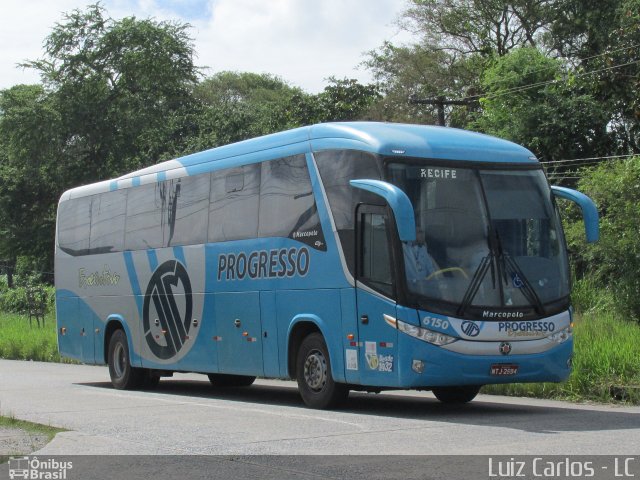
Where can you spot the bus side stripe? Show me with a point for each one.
(178, 252)
(133, 278)
(153, 259)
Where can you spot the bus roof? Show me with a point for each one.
(402, 140)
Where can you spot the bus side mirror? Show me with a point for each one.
(397, 200)
(589, 210)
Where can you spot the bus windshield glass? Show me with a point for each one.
(486, 239)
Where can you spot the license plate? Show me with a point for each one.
(503, 369)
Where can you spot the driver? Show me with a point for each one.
(418, 263)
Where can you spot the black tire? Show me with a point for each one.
(453, 395)
(313, 373)
(221, 380)
(123, 375)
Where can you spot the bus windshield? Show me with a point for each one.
(487, 241)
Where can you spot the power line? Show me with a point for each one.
(565, 178)
(609, 157)
(608, 52)
(549, 82)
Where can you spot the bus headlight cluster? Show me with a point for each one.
(424, 334)
(561, 336)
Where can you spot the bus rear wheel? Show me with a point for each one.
(313, 373)
(221, 380)
(463, 394)
(123, 375)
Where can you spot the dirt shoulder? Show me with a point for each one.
(18, 437)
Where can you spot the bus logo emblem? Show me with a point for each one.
(505, 348)
(470, 329)
(168, 288)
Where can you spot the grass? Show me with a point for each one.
(29, 427)
(19, 341)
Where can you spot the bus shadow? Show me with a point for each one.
(481, 412)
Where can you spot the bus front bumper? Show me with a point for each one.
(426, 365)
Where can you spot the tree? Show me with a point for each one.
(238, 105)
(614, 261)
(485, 27)
(414, 72)
(600, 39)
(340, 101)
(117, 95)
(29, 144)
(530, 99)
(121, 88)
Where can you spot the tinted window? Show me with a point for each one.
(74, 225)
(336, 168)
(287, 206)
(376, 264)
(235, 201)
(187, 210)
(107, 222)
(144, 216)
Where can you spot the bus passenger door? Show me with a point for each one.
(240, 333)
(375, 293)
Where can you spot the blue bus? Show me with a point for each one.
(348, 256)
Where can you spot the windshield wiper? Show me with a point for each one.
(499, 262)
(476, 281)
(506, 261)
(527, 290)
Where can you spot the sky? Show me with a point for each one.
(302, 41)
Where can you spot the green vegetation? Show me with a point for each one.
(32, 428)
(19, 341)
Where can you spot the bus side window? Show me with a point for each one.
(235, 194)
(188, 211)
(375, 266)
(107, 222)
(144, 225)
(74, 226)
(287, 204)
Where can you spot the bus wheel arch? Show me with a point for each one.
(123, 375)
(298, 332)
(113, 324)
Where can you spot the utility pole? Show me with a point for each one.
(439, 102)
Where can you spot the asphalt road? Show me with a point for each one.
(185, 415)
(265, 432)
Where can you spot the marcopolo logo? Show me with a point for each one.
(470, 329)
(169, 295)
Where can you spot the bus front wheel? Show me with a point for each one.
(462, 394)
(123, 375)
(313, 373)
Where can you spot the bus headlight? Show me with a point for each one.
(424, 334)
(561, 336)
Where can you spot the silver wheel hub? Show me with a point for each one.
(315, 370)
(119, 360)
